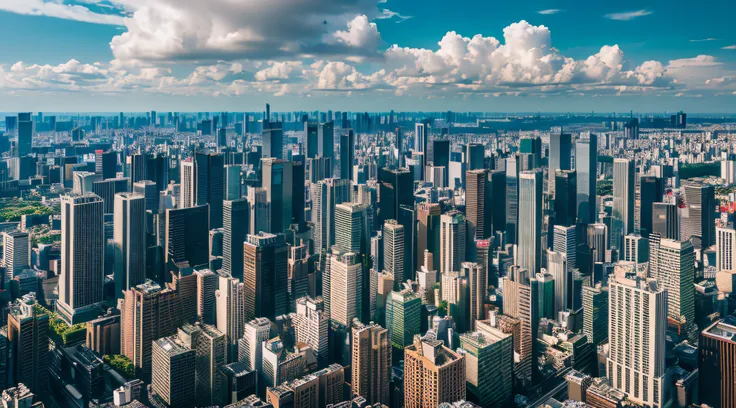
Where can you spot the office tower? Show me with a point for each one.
(421, 136)
(532, 146)
(666, 220)
(441, 156)
(393, 250)
(331, 383)
(453, 238)
(651, 191)
(211, 357)
(16, 253)
(83, 182)
(403, 317)
(265, 275)
(277, 181)
(188, 184)
(636, 361)
(82, 249)
(347, 155)
(565, 197)
(280, 364)
(237, 383)
(498, 201)
(147, 312)
(173, 378)
(210, 184)
(187, 236)
(346, 288)
(235, 224)
(371, 363)
(310, 140)
(381, 285)
(474, 156)
(716, 367)
(207, 285)
(433, 374)
(301, 282)
(530, 221)
(408, 218)
(565, 242)
(107, 189)
(428, 232)
(699, 215)
(623, 200)
(631, 129)
(232, 182)
(595, 314)
(351, 228)
(598, 242)
(636, 249)
(478, 287)
(106, 164)
(456, 293)
(28, 340)
(478, 204)
(138, 166)
(249, 346)
(311, 325)
(396, 188)
(489, 359)
(725, 249)
(560, 147)
(586, 169)
(326, 194)
(221, 138)
(129, 241)
(231, 305)
(326, 140)
(25, 135)
(258, 210)
(672, 264)
(273, 143)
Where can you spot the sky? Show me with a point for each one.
(368, 55)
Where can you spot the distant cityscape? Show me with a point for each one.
(345, 259)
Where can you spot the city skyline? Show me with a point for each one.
(114, 55)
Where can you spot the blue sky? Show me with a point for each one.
(189, 55)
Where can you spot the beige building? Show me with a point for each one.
(433, 374)
(371, 363)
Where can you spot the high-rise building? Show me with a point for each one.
(428, 232)
(82, 249)
(207, 284)
(453, 238)
(235, 225)
(651, 190)
(560, 148)
(403, 317)
(302, 282)
(725, 249)
(597, 242)
(565, 197)
(187, 236)
(561, 273)
(393, 250)
(478, 288)
(717, 347)
(396, 188)
(532, 146)
(672, 264)
(16, 253)
(107, 189)
(106, 164)
(311, 325)
(530, 221)
(623, 200)
(173, 377)
(595, 314)
(255, 333)
(433, 374)
(421, 136)
(512, 198)
(232, 182)
(565, 242)
(636, 249)
(371, 363)
(310, 140)
(130, 241)
(273, 143)
(210, 184)
(637, 323)
(210, 347)
(586, 167)
(326, 194)
(265, 276)
(258, 210)
(346, 287)
(25, 135)
(666, 220)
(699, 215)
(474, 156)
(347, 155)
(478, 204)
(326, 140)
(147, 312)
(351, 228)
(489, 359)
(188, 184)
(231, 312)
(28, 340)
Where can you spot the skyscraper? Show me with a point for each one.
(25, 135)
(586, 167)
(565, 197)
(512, 198)
(28, 337)
(595, 314)
(311, 325)
(16, 253)
(453, 238)
(173, 376)
(396, 188)
(393, 250)
(371, 363)
(310, 140)
(277, 181)
(725, 249)
(347, 155)
(636, 361)
(623, 200)
(326, 140)
(699, 215)
(666, 220)
(557, 267)
(188, 184)
(560, 147)
(421, 136)
(210, 184)
(106, 164)
(403, 317)
(82, 249)
(346, 288)
(672, 263)
(433, 374)
(428, 232)
(258, 210)
(235, 225)
(489, 359)
(326, 194)
(130, 241)
(265, 276)
(474, 156)
(715, 369)
(478, 288)
(273, 143)
(351, 228)
(651, 191)
(565, 242)
(231, 312)
(187, 236)
(530, 221)
(232, 182)
(478, 204)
